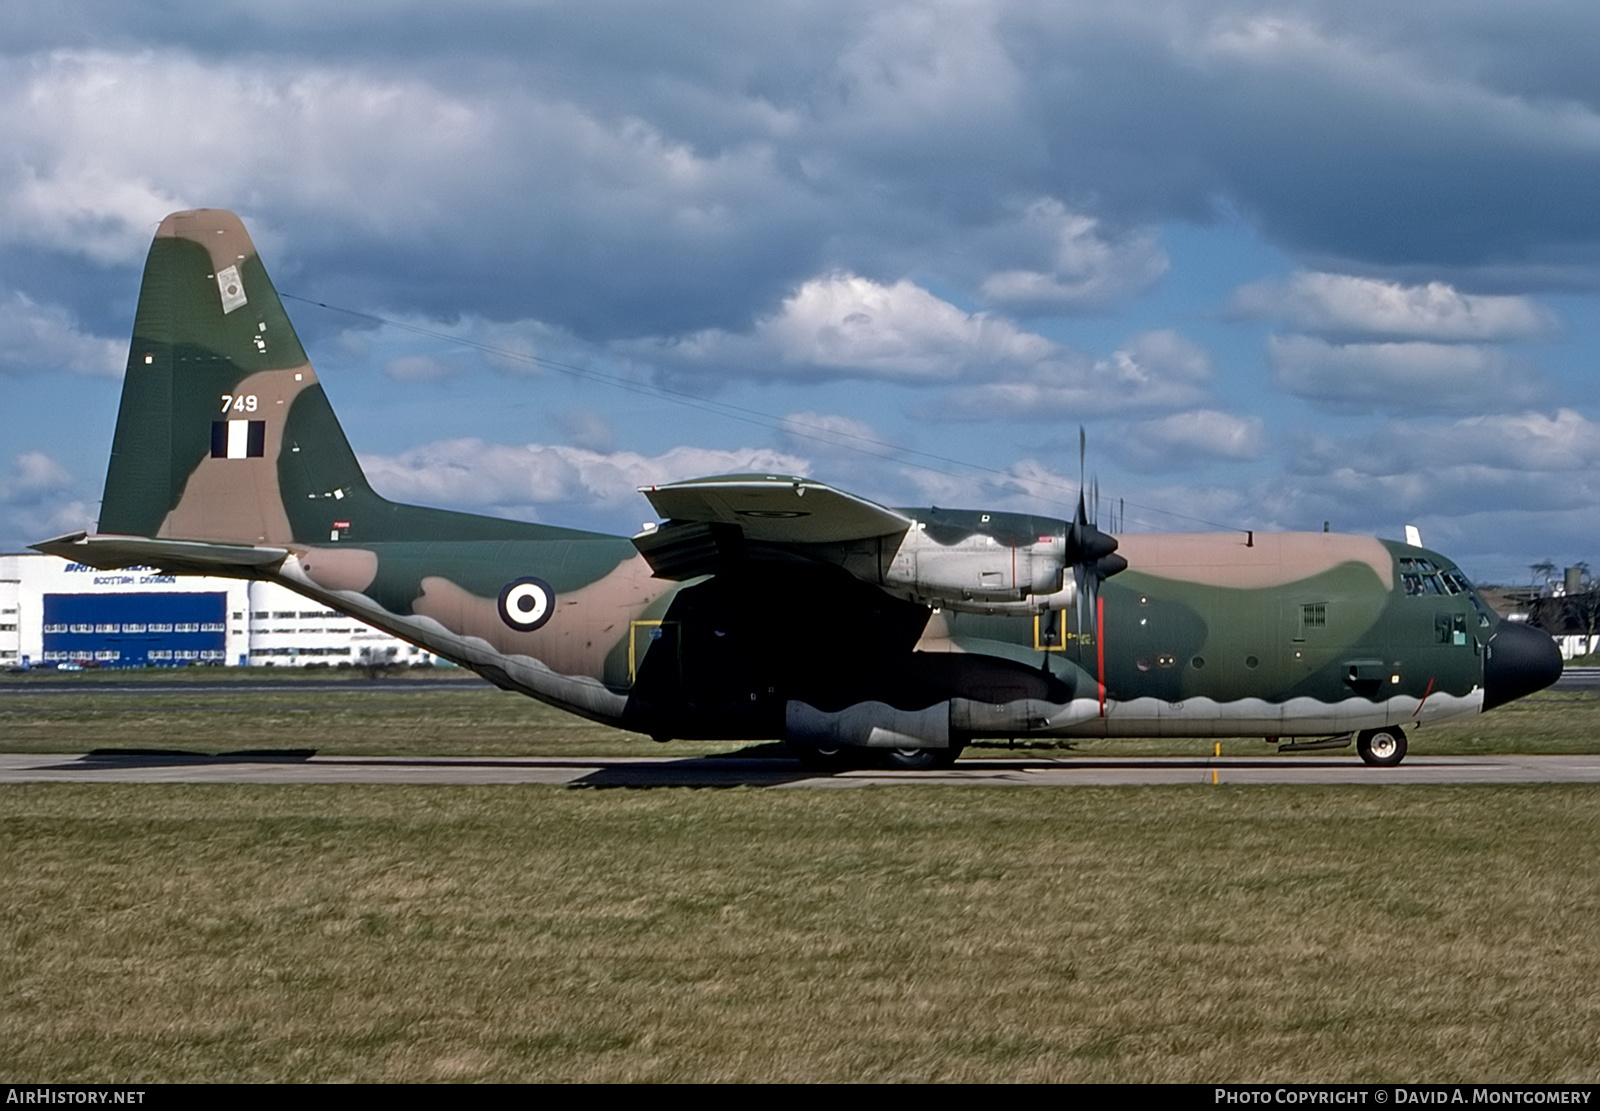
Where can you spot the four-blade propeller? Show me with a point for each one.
(1091, 552)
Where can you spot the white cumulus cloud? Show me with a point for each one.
(1153, 371)
(34, 476)
(543, 481)
(1183, 439)
(810, 430)
(1082, 269)
(1342, 305)
(37, 338)
(39, 498)
(843, 325)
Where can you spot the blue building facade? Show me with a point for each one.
(167, 629)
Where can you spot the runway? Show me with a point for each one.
(72, 684)
(777, 772)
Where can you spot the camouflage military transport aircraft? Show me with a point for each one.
(772, 606)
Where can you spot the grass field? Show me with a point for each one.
(344, 720)
(165, 933)
(480, 720)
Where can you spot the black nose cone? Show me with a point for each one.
(1521, 660)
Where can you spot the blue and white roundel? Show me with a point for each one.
(526, 604)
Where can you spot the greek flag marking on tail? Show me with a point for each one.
(238, 439)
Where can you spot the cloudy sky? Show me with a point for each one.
(1286, 262)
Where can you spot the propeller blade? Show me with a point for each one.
(1082, 578)
(1083, 451)
(1091, 552)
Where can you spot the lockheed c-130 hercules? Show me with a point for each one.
(774, 606)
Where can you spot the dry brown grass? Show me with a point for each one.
(153, 933)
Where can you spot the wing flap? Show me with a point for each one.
(689, 549)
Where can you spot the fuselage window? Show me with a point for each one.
(1450, 628)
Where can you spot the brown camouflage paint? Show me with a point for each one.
(1230, 559)
(585, 628)
(219, 231)
(339, 568)
(238, 500)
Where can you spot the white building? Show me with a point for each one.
(287, 629)
(55, 612)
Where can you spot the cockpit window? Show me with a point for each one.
(1483, 612)
(1420, 576)
(1452, 581)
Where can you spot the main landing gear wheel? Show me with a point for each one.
(921, 759)
(823, 758)
(1382, 748)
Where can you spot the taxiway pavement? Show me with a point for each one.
(735, 771)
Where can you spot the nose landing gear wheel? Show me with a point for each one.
(1382, 748)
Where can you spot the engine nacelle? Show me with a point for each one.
(979, 566)
(975, 562)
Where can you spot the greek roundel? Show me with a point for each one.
(527, 604)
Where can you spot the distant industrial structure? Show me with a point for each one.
(1565, 606)
(55, 613)
(1568, 609)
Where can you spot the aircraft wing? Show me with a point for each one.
(710, 520)
(775, 509)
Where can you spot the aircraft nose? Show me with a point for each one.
(1521, 660)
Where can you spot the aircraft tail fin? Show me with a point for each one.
(224, 434)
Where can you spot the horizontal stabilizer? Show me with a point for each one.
(180, 557)
(775, 509)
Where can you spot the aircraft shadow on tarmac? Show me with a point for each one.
(174, 757)
(730, 770)
(697, 771)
